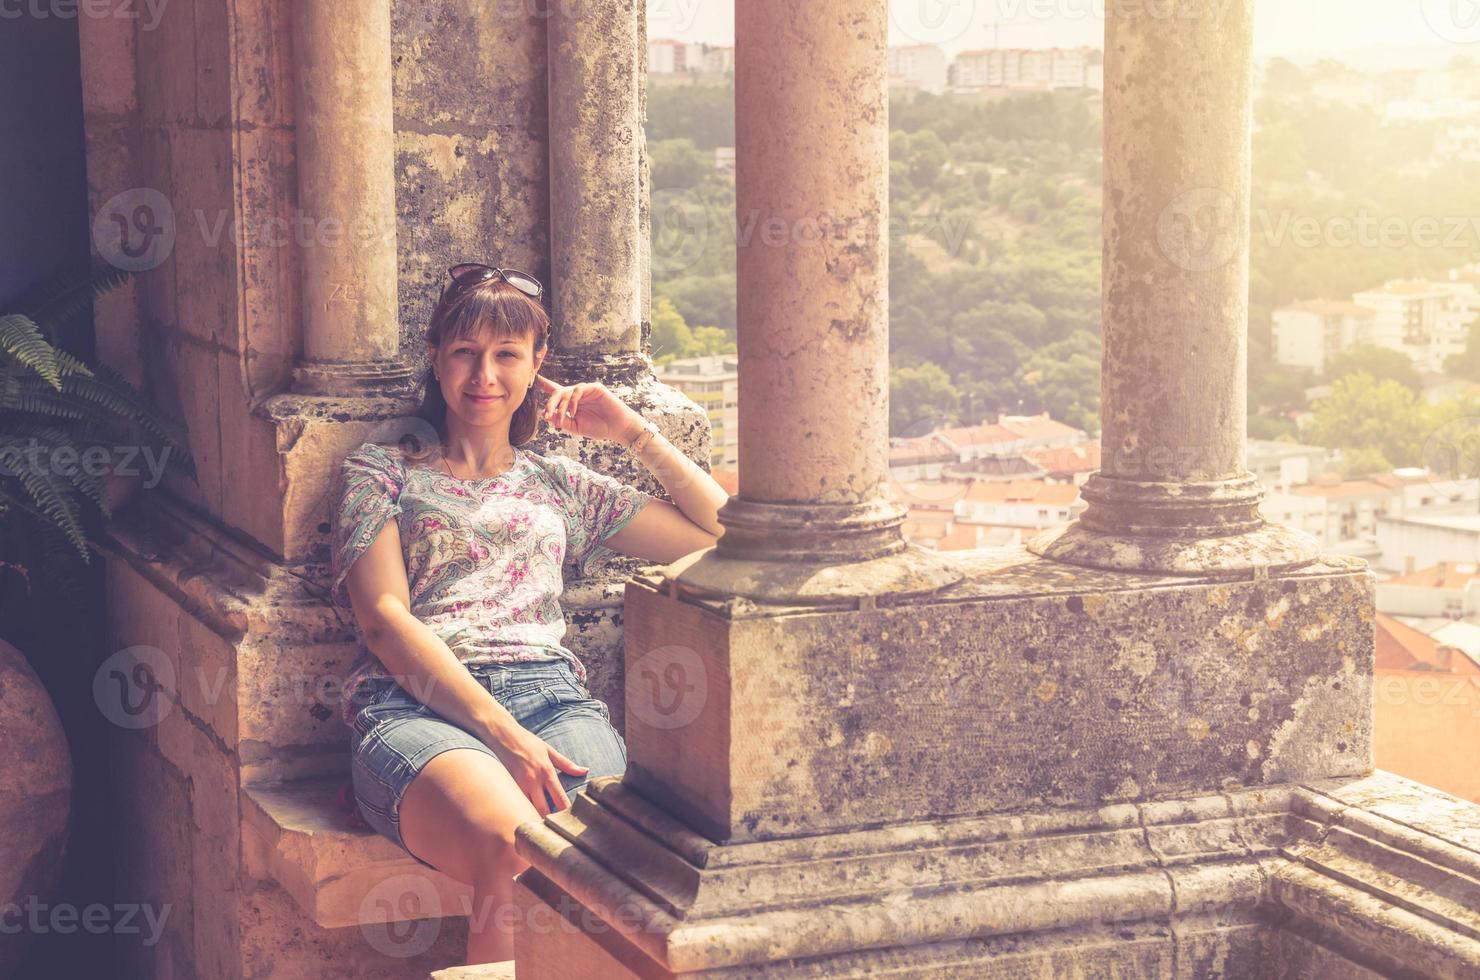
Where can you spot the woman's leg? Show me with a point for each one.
(458, 815)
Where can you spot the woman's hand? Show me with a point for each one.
(533, 763)
(588, 409)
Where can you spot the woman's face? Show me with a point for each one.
(485, 380)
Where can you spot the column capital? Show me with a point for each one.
(354, 379)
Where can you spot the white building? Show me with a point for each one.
(1458, 141)
(1450, 590)
(713, 382)
(1428, 321)
(719, 61)
(921, 66)
(1281, 465)
(1050, 68)
(668, 57)
(1421, 541)
(1020, 503)
(1387, 517)
(1310, 334)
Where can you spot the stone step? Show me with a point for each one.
(483, 971)
(295, 834)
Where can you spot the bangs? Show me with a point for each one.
(497, 308)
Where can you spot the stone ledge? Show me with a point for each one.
(1324, 862)
(483, 971)
(1387, 871)
(297, 837)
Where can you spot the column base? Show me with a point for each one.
(909, 572)
(1211, 528)
(812, 555)
(348, 379)
(1267, 549)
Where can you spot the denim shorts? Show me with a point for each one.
(395, 735)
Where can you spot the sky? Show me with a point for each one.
(1367, 33)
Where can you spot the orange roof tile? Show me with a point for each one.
(938, 494)
(1400, 647)
(985, 434)
(1037, 427)
(1066, 459)
(1022, 491)
(1445, 575)
(1346, 488)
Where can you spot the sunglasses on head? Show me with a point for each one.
(472, 273)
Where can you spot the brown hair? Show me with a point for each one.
(498, 307)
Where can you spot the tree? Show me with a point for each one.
(671, 335)
(1285, 78)
(928, 157)
(1364, 413)
(1064, 377)
(1365, 461)
(1380, 362)
(678, 164)
(920, 396)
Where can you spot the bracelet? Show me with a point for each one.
(649, 432)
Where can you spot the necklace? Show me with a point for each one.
(448, 463)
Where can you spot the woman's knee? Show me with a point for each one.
(460, 812)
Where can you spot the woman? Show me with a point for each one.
(470, 716)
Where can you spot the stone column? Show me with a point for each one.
(812, 164)
(596, 139)
(347, 194)
(1173, 494)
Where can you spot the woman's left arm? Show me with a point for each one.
(660, 531)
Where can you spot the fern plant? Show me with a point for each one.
(56, 405)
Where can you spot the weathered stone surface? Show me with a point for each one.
(299, 839)
(1190, 887)
(1021, 686)
(35, 796)
(277, 941)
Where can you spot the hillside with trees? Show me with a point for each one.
(994, 271)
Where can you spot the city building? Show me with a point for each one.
(714, 383)
(1425, 694)
(1066, 464)
(669, 57)
(921, 458)
(1281, 465)
(1046, 69)
(1428, 321)
(1010, 435)
(1020, 503)
(1310, 334)
(719, 60)
(920, 66)
(1458, 140)
(1450, 589)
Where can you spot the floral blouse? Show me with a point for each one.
(484, 557)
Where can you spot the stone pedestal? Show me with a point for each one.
(1039, 766)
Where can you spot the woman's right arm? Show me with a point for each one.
(426, 667)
